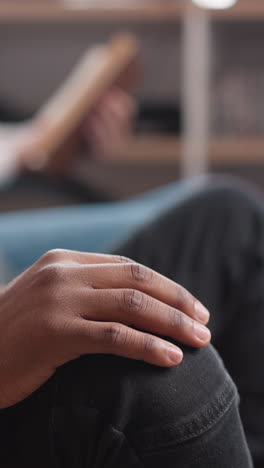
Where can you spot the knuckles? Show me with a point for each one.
(50, 289)
(149, 343)
(113, 335)
(176, 319)
(49, 275)
(52, 256)
(139, 273)
(184, 297)
(121, 259)
(134, 301)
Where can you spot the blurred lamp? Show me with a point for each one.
(215, 4)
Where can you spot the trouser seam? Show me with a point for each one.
(173, 434)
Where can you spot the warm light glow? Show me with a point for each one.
(215, 4)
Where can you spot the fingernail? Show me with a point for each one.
(175, 355)
(202, 333)
(202, 314)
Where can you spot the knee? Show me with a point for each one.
(135, 398)
(131, 411)
(226, 195)
(228, 209)
(181, 403)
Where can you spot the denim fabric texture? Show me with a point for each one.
(106, 412)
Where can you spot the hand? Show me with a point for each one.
(70, 303)
(103, 130)
(110, 123)
(12, 139)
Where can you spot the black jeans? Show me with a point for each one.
(106, 412)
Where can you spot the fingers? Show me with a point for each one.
(138, 310)
(110, 121)
(100, 137)
(117, 339)
(138, 277)
(83, 258)
(120, 107)
(133, 295)
(109, 271)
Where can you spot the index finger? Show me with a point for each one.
(138, 277)
(82, 258)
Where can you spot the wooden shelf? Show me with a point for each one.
(114, 10)
(237, 150)
(147, 148)
(243, 10)
(83, 11)
(168, 149)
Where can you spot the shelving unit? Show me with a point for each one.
(154, 149)
(112, 10)
(168, 149)
(228, 150)
(252, 10)
(241, 150)
(85, 11)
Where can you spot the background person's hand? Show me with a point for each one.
(104, 128)
(70, 303)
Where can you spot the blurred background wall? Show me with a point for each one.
(203, 81)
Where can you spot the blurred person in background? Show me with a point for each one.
(62, 410)
(104, 128)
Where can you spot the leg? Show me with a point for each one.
(108, 412)
(213, 243)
